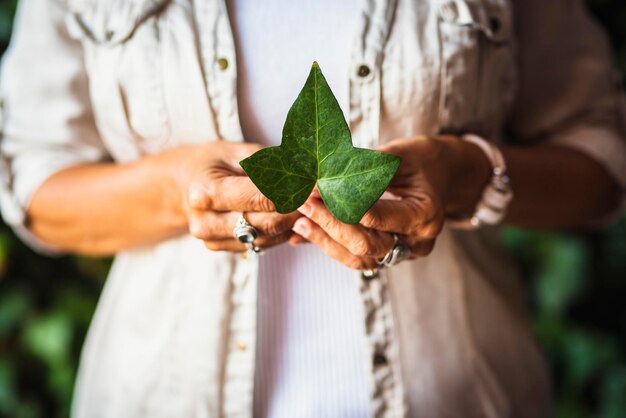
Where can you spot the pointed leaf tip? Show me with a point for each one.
(317, 148)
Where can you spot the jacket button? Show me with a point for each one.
(222, 63)
(494, 24)
(363, 71)
(379, 359)
(241, 346)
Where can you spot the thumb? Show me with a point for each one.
(236, 152)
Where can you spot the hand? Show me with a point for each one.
(216, 192)
(414, 207)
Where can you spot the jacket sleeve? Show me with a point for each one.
(570, 92)
(47, 120)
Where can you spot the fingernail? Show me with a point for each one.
(301, 228)
(305, 209)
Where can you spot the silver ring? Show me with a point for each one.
(399, 252)
(246, 234)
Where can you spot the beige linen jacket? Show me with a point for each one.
(174, 332)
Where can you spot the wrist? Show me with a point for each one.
(169, 179)
(469, 173)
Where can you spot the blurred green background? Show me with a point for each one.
(577, 284)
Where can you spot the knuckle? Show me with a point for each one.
(413, 227)
(371, 219)
(273, 226)
(429, 222)
(200, 195)
(431, 229)
(361, 247)
(197, 228)
(261, 202)
(322, 239)
(195, 197)
(429, 208)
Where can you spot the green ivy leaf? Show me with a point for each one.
(317, 148)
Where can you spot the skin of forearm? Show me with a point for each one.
(101, 209)
(553, 186)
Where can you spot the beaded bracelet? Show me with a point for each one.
(496, 196)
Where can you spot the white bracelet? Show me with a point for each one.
(496, 196)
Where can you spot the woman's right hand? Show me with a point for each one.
(216, 192)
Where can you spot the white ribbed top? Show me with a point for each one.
(311, 358)
(311, 344)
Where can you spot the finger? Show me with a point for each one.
(222, 192)
(297, 240)
(386, 194)
(220, 225)
(416, 154)
(272, 223)
(409, 216)
(315, 234)
(237, 151)
(358, 240)
(243, 150)
(391, 216)
(420, 146)
(418, 247)
(400, 148)
(235, 246)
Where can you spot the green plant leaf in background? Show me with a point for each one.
(317, 147)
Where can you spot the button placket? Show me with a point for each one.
(365, 76)
(240, 357)
(387, 392)
(217, 50)
(218, 60)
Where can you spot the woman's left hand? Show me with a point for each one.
(414, 206)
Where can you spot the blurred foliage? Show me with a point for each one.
(577, 283)
(576, 288)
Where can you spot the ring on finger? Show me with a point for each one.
(399, 252)
(246, 234)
